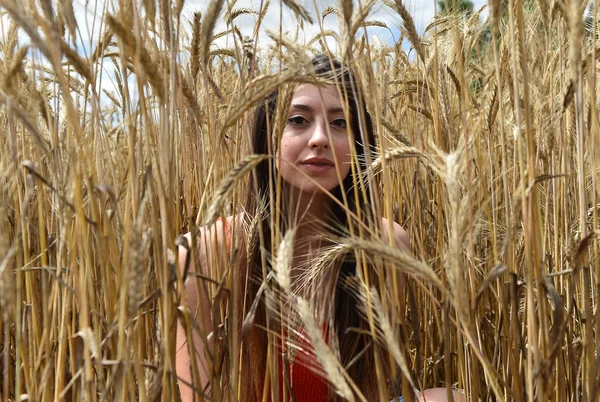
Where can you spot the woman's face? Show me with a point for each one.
(314, 140)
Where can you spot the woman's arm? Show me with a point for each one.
(203, 262)
(399, 235)
(402, 241)
(441, 395)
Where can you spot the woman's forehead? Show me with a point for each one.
(310, 94)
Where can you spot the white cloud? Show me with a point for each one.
(276, 17)
(422, 12)
(4, 26)
(89, 13)
(89, 17)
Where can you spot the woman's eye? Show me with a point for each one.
(296, 120)
(339, 123)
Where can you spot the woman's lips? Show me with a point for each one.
(316, 167)
(317, 164)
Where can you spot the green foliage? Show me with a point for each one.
(455, 6)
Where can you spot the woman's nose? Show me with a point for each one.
(318, 136)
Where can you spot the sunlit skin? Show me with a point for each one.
(315, 142)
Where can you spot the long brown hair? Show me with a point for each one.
(263, 184)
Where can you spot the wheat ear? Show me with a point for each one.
(283, 262)
(330, 363)
(227, 185)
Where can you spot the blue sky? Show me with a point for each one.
(88, 16)
(421, 10)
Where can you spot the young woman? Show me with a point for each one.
(322, 149)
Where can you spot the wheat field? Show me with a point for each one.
(489, 157)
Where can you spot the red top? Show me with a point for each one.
(305, 383)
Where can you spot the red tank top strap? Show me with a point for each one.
(302, 376)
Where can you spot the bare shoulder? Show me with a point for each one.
(441, 395)
(211, 238)
(400, 236)
(202, 256)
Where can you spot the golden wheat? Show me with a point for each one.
(487, 154)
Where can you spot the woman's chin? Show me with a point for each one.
(311, 189)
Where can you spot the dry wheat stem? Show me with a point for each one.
(283, 261)
(329, 362)
(227, 185)
(402, 260)
(389, 338)
(519, 103)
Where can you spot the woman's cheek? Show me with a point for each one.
(342, 151)
(290, 149)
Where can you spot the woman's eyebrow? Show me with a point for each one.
(307, 108)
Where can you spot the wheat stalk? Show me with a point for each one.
(226, 187)
(402, 261)
(8, 297)
(155, 79)
(105, 163)
(196, 41)
(409, 26)
(329, 362)
(15, 68)
(284, 259)
(389, 337)
(66, 14)
(399, 152)
(236, 12)
(207, 27)
(299, 10)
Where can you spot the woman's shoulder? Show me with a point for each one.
(218, 233)
(219, 230)
(398, 234)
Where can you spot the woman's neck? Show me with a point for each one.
(308, 212)
(308, 215)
